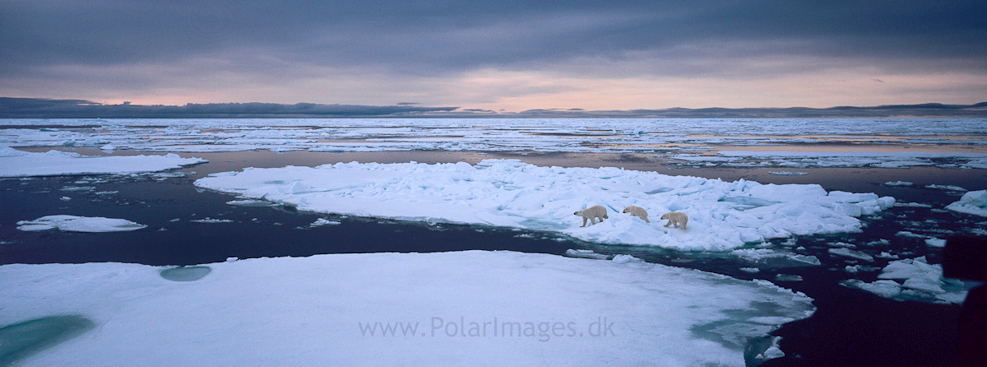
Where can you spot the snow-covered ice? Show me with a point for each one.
(509, 193)
(16, 163)
(460, 308)
(972, 202)
(913, 279)
(74, 223)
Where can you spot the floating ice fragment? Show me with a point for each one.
(973, 202)
(842, 251)
(251, 203)
(886, 255)
(775, 259)
(587, 254)
(55, 163)
(74, 223)
(211, 220)
(787, 173)
(323, 222)
(623, 259)
(898, 183)
(945, 187)
(788, 278)
(913, 279)
(761, 349)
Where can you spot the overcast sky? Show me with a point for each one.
(498, 55)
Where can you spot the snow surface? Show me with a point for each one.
(330, 310)
(913, 279)
(74, 223)
(16, 163)
(972, 202)
(509, 193)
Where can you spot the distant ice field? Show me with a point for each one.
(951, 143)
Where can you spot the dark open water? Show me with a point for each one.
(851, 327)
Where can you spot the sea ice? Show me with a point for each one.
(946, 187)
(787, 173)
(972, 202)
(913, 279)
(458, 308)
(845, 252)
(211, 220)
(509, 134)
(508, 193)
(775, 259)
(587, 254)
(16, 163)
(898, 183)
(74, 223)
(324, 222)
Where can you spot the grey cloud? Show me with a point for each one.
(465, 34)
(64, 48)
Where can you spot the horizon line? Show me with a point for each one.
(25, 107)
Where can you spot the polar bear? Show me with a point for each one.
(638, 212)
(592, 213)
(676, 218)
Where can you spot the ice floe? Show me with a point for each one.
(16, 163)
(972, 202)
(74, 223)
(508, 193)
(913, 279)
(460, 308)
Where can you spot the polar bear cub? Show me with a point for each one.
(676, 218)
(638, 212)
(592, 213)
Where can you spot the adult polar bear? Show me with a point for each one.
(675, 218)
(591, 214)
